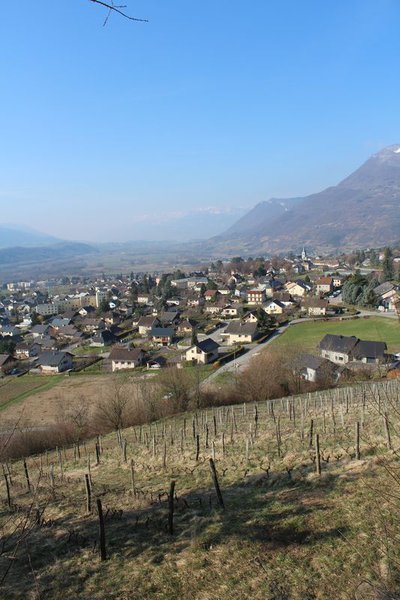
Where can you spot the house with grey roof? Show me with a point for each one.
(162, 335)
(383, 288)
(145, 324)
(342, 349)
(274, 307)
(370, 352)
(40, 330)
(102, 338)
(316, 369)
(204, 352)
(55, 362)
(337, 348)
(240, 333)
(126, 358)
(6, 362)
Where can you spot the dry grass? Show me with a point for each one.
(285, 534)
(43, 406)
(13, 388)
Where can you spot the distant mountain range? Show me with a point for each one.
(361, 211)
(16, 235)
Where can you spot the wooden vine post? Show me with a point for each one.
(132, 477)
(97, 453)
(387, 431)
(358, 440)
(28, 483)
(8, 490)
(60, 462)
(102, 531)
(311, 433)
(88, 494)
(216, 484)
(171, 508)
(317, 455)
(124, 450)
(165, 456)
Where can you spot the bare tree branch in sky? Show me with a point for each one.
(111, 7)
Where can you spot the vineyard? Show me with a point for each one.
(284, 499)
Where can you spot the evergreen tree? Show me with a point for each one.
(359, 290)
(387, 264)
(103, 307)
(373, 257)
(145, 285)
(133, 292)
(194, 339)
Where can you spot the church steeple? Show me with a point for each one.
(303, 254)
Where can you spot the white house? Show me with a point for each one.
(125, 358)
(237, 332)
(55, 362)
(275, 307)
(203, 352)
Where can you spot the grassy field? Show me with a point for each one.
(88, 350)
(286, 533)
(310, 333)
(16, 389)
(38, 399)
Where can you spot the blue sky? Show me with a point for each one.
(218, 104)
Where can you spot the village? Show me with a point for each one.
(211, 316)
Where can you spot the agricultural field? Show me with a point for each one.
(46, 403)
(42, 400)
(307, 335)
(308, 506)
(14, 390)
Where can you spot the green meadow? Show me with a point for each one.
(308, 334)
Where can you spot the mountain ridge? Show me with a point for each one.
(362, 210)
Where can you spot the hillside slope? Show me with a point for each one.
(286, 532)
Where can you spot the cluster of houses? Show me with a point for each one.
(138, 322)
(339, 355)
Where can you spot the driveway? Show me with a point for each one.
(216, 335)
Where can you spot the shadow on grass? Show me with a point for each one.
(275, 514)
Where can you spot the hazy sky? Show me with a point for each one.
(214, 103)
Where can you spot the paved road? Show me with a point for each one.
(242, 361)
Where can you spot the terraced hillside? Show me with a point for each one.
(310, 494)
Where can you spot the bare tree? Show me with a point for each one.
(112, 408)
(76, 418)
(7, 437)
(264, 378)
(176, 386)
